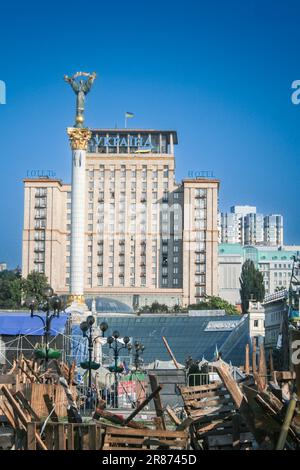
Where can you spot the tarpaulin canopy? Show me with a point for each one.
(21, 323)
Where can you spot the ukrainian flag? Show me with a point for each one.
(129, 115)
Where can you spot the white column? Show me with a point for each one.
(78, 222)
(79, 138)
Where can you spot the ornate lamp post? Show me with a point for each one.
(87, 330)
(113, 344)
(52, 302)
(138, 351)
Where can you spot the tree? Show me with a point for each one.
(214, 303)
(252, 285)
(10, 289)
(34, 286)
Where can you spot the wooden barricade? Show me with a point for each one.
(66, 436)
(216, 424)
(135, 439)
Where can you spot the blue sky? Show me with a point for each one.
(218, 72)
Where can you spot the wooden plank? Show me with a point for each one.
(247, 359)
(70, 428)
(198, 404)
(238, 397)
(8, 413)
(116, 419)
(143, 441)
(142, 405)
(198, 396)
(254, 368)
(7, 379)
(184, 424)
(92, 437)
(31, 436)
(236, 432)
(170, 352)
(201, 388)
(27, 362)
(158, 422)
(23, 402)
(157, 401)
(145, 432)
(48, 433)
(61, 436)
(20, 414)
(173, 415)
(50, 405)
(212, 411)
(281, 375)
(262, 368)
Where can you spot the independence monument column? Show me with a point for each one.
(79, 137)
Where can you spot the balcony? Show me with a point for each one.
(143, 253)
(100, 199)
(121, 263)
(199, 284)
(200, 196)
(143, 199)
(143, 275)
(39, 250)
(122, 242)
(40, 217)
(40, 206)
(198, 261)
(200, 250)
(39, 261)
(40, 195)
(39, 227)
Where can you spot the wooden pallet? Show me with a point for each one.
(128, 438)
(216, 422)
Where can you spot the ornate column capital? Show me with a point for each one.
(79, 137)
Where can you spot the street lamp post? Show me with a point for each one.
(87, 330)
(113, 344)
(52, 301)
(138, 351)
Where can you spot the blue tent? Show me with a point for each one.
(21, 323)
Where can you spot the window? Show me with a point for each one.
(255, 323)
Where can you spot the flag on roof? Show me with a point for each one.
(129, 115)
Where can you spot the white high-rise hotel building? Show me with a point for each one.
(147, 238)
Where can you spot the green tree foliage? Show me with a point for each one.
(34, 285)
(252, 285)
(14, 289)
(155, 307)
(214, 303)
(10, 289)
(210, 303)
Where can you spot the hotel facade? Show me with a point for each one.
(147, 238)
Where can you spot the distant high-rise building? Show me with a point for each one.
(245, 226)
(3, 267)
(273, 230)
(253, 229)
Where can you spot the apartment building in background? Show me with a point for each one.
(147, 238)
(245, 226)
(275, 263)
